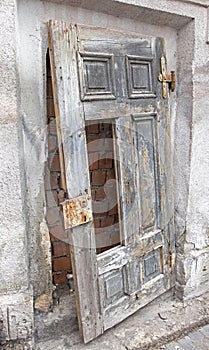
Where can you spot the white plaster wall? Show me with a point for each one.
(187, 53)
(24, 241)
(13, 244)
(14, 285)
(197, 240)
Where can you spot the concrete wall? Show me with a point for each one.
(16, 306)
(24, 245)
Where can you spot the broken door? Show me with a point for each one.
(101, 74)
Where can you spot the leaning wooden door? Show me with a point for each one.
(101, 74)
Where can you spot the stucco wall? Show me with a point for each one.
(24, 245)
(15, 295)
(185, 54)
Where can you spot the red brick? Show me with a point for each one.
(53, 180)
(108, 144)
(60, 278)
(50, 107)
(58, 233)
(52, 144)
(110, 174)
(93, 160)
(93, 194)
(107, 221)
(61, 249)
(98, 177)
(51, 198)
(100, 208)
(95, 144)
(52, 127)
(106, 163)
(54, 163)
(105, 127)
(113, 211)
(61, 196)
(97, 223)
(53, 215)
(100, 194)
(92, 128)
(61, 264)
(50, 181)
(49, 87)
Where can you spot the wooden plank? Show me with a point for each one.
(57, 115)
(125, 155)
(63, 43)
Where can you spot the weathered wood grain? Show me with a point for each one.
(72, 129)
(104, 74)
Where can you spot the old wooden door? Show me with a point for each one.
(100, 74)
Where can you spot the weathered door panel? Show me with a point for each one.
(100, 74)
(71, 126)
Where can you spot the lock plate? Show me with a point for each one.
(77, 211)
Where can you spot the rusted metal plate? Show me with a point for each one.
(77, 211)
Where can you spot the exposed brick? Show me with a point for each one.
(58, 233)
(100, 208)
(54, 163)
(110, 174)
(105, 128)
(49, 87)
(93, 194)
(108, 144)
(53, 215)
(61, 196)
(106, 163)
(95, 144)
(93, 165)
(107, 221)
(60, 278)
(52, 127)
(100, 194)
(97, 223)
(61, 264)
(92, 128)
(51, 198)
(53, 181)
(59, 237)
(113, 211)
(98, 177)
(61, 249)
(52, 144)
(104, 249)
(50, 107)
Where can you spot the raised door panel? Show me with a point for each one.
(112, 75)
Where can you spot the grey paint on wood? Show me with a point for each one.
(69, 112)
(113, 75)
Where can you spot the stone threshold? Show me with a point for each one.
(158, 323)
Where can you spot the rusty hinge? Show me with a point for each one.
(171, 261)
(77, 211)
(166, 78)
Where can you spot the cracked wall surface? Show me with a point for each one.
(25, 257)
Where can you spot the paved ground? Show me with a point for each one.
(152, 327)
(198, 340)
